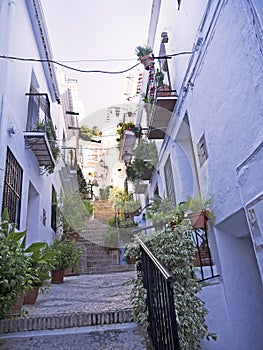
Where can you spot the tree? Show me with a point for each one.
(86, 134)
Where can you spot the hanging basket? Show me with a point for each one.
(198, 220)
(146, 60)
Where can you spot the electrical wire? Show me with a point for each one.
(15, 58)
(98, 60)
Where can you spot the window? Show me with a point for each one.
(179, 4)
(12, 188)
(38, 109)
(54, 210)
(169, 180)
(202, 150)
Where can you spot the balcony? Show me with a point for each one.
(40, 134)
(161, 112)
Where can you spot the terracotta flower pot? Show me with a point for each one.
(146, 60)
(69, 272)
(57, 276)
(31, 296)
(198, 220)
(16, 309)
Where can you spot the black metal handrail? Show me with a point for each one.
(203, 257)
(158, 282)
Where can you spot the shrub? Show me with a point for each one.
(15, 273)
(174, 248)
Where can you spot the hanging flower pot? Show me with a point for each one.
(146, 61)
(198, 220)
(144, 55)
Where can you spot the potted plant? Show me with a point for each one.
(198, 211)
(40, 125)
(144, 54)
(66, 255)
(129, 126)
(139, 170)
(15, 274)
(41, 262)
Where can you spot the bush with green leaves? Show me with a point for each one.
(174, 248)
(66, 254)
(15, 273)
(41, 262)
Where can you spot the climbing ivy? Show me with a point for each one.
(174, 248)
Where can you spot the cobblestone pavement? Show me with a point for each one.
(85, 293)
(78, 294)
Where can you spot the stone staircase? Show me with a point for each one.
(96, 258)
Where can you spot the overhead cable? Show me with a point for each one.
(15, 58)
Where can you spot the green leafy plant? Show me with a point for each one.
(173, 247)
(87, 134)
(197, 204)
(129, 126)
(143, 50)
(163, 210)
(66, 254)
(15, 269)
(40, 125)
(159, 77)
(41, 263)
(52, 138)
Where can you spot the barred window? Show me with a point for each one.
(12, 188)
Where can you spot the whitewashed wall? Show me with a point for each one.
(19, 40)
(220, 88)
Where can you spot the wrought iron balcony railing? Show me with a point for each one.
(40, 135)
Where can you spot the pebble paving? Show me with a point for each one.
(80, 294)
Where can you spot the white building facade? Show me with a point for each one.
(211, 143)
(29, 95)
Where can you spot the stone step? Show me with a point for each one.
(123, 336)
(108, 269)
(37, 323)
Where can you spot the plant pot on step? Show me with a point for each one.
(31, 295)
(57, 276)
(198, 220)
(17, 307)
(69, 272)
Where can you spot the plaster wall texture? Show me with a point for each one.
(14, 104)
(221, 90)
(227, 107)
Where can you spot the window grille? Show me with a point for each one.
(12, 188)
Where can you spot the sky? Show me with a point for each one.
(101, 30)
